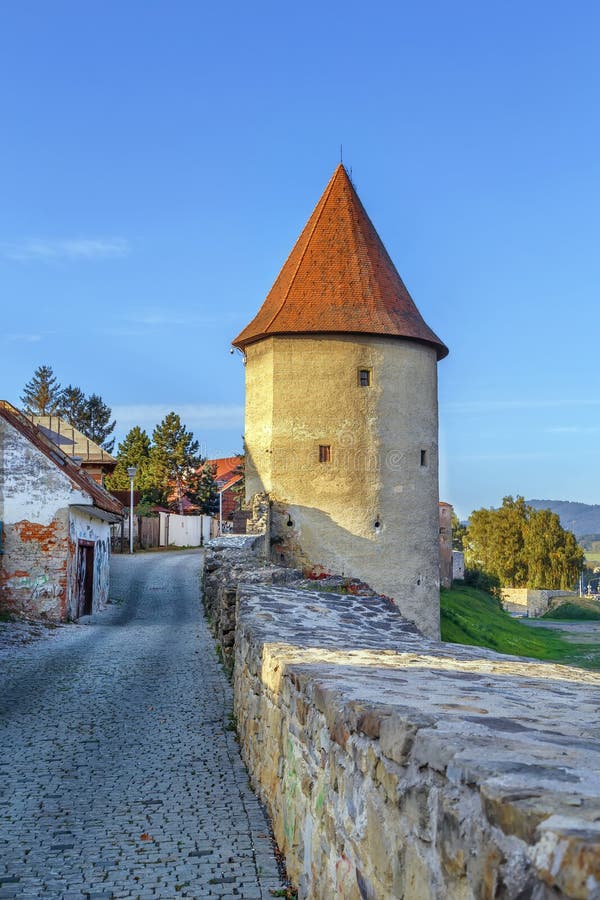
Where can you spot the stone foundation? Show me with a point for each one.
(398, 767)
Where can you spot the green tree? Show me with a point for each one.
(72, 406)
(201, 489)
(134, 450)
(41, 396)
(458, 532)
(176, 465)
(522, 546)
(96, 422)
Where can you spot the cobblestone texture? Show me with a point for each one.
(119, 774)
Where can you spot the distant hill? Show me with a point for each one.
(580, 518)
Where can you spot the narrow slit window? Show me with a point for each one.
(423, 457)
(324, 453)
(364, 377)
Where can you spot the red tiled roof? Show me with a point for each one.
(225, 468)
(231, 482)
(101, 498)
(339, 278)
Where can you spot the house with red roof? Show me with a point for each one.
(54, 526)
(228, 474)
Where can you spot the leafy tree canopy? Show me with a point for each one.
(458, 532)
(522, 546)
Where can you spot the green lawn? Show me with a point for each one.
(470, 616)
(592, 558)
(578, 610)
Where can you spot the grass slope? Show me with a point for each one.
(575, 611)
(470, 616)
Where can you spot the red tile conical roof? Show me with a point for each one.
(340, 279)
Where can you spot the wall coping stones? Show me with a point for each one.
(504, 750)
(233, 542)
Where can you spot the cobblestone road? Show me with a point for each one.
(118, 774)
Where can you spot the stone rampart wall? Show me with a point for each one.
(534, 602)
(398, 767)
(229, 560)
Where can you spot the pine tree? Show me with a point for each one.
(96, 423)
(73, 406)
(134, 450)
(41, 395)
(200, 488)
(176, 464)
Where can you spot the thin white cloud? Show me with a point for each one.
(161, 319)
(195, 416)
(493, 406)
(573, 429)
(74, 250)
(504, 457)
(23, 338)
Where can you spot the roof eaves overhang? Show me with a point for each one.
(441, 350)
(96, 513)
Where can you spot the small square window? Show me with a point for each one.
(364, 377)
(324, 453)
(423, 457)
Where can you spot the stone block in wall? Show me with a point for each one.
(231, 560)
(395, 766)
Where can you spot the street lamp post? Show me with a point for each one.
(131, 471)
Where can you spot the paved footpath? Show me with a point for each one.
(119, 772)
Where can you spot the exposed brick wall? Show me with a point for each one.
(33, 575)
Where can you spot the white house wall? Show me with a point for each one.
(36, 562)
(87, 528)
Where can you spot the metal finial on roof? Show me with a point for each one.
(342, 153)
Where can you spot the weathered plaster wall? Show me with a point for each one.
(259, 417)
(396, 767)
(33, 487)
(446, 545)
(88, 528)
(374, 501)
(458, 565)
(37, 566)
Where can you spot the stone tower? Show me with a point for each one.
(341, 411)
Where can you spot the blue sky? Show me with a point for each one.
(158, 160)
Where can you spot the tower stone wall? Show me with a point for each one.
(371, 509)
(341, 411)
